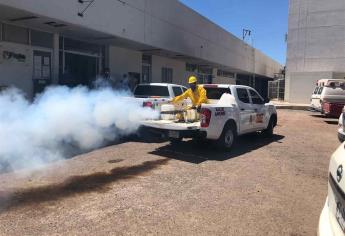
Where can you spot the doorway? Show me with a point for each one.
(83, 69)
(79, 62)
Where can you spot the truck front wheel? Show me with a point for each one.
(227, 138)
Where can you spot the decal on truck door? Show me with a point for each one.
(259, 118)
(220, 111)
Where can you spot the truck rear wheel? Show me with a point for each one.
(268, 132)
(227, 138)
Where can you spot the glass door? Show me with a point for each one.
(41, 71)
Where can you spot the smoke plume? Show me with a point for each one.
(63, 119)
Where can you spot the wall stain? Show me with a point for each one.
(96, 182)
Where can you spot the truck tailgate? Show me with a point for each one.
(171, 125)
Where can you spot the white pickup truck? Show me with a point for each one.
(232, 110)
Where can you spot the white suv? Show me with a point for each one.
(332, 218)
(154, 94)
(341, 129)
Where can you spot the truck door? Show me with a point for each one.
(246, 110)
(260, 119)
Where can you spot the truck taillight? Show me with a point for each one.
(205, 117)
(147, 104)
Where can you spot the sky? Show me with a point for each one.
(267, 19)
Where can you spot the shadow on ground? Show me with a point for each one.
(331, 122)
(190, 151)
(318, 115)
(74, 185)
(323, 116)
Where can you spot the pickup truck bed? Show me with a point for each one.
(171, 125)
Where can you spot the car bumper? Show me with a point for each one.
(315, 108)
(325, 227)
(341, 135)
(332, 109)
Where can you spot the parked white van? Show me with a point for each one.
(315, 99)
(329, 97)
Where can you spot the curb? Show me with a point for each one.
(292, 107)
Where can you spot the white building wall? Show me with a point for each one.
(164, 24)
(179, 69)
(316, 47)
(15, 73)
(224, 80)
(122, 61)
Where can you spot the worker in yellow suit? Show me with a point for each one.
(196, 93)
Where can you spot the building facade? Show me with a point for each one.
(316, 46)
(46, 42)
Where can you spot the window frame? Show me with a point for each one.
(249, 98)
(177, 87)
(3, 34)
(167, 75)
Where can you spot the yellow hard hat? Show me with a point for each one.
(192, 80)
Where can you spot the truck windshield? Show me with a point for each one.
(216, 93)
(143, 91)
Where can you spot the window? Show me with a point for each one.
(184, 89)
(167, 75)
(256, 98)
(143, 91)
(177, 90)
(146, 75)
(146, 59)
(243, 95)
(15, 34)
(205, 70)
(216, 93)
(79, 46)
(226, 74)
(191, 67)
(41, 39)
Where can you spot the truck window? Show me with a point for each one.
(256, 98)
(243, 95)
(216, 93)
(143, 91)
(177, 90)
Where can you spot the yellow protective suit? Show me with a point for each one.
(197, 97)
